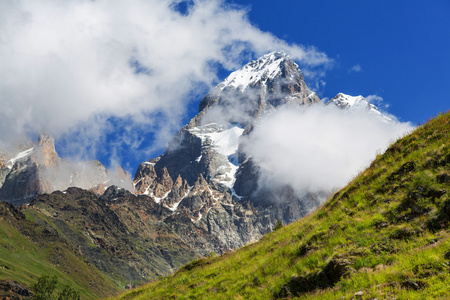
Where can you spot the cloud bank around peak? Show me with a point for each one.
(75, 64)
(318, 148)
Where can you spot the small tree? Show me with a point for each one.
(278, 225)
(68, 293)
(45, 286)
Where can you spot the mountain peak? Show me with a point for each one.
(266, 67)
(258, 87)
(345, 101)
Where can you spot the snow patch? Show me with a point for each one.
(157, 199)
(233, 194)
(135, 183)
(357, 102)
(225, 142)
(10, 163)
(175, 206)
(343, 100)
(265, 68)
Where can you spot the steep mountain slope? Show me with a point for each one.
(385, 236)
(201, 197)
(30, 248)
(176, 216)
(123, 235)
(205, 178)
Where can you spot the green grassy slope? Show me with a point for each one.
(383, 236)
(30, 249)
(124, 238)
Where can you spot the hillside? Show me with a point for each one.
(30, 248)
(385, 235)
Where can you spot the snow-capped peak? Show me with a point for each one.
(357, 102)
(264, 68)
(346, 101)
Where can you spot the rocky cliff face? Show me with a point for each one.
(202, 195)
(207, 181)
(122, 234)
(38, 169)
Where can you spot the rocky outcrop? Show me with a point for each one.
(220, 197)
(122, 234)
(38, 169)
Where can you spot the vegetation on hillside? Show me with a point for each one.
(386, 235)
(30, 249)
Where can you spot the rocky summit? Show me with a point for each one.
(205, 177)
(38, 169)
(202, 196)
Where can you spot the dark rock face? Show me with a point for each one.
(21, 184)
(123, 235)
(39, 170)
(201, 196)
(220, 194)
(331, 274)
(10, 289)
(48, 246)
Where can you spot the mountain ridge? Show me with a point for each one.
(384, 235)
(201, 196)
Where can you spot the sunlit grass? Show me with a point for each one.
(389, 226)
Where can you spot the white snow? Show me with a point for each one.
(225, 142)
(146, 192)
(212, 194)
(175, 206)
(157, 199)
(266, 67)
(148, 163)
(343, 100)
(311, 95)
(358, 102)
(10, 163)
(227, 178)
(135, 183)
(233, 194)
(198, 158)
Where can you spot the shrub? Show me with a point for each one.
(278, 225)
(46, 285)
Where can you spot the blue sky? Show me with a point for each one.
(401, 47)
(113, 80)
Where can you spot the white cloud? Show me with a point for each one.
(356, 68)
(68, 66)
(319, 148)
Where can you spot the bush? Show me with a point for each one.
(46, 285)
(278, 225)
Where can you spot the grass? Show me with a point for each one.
(384, 235)
(28, 251)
